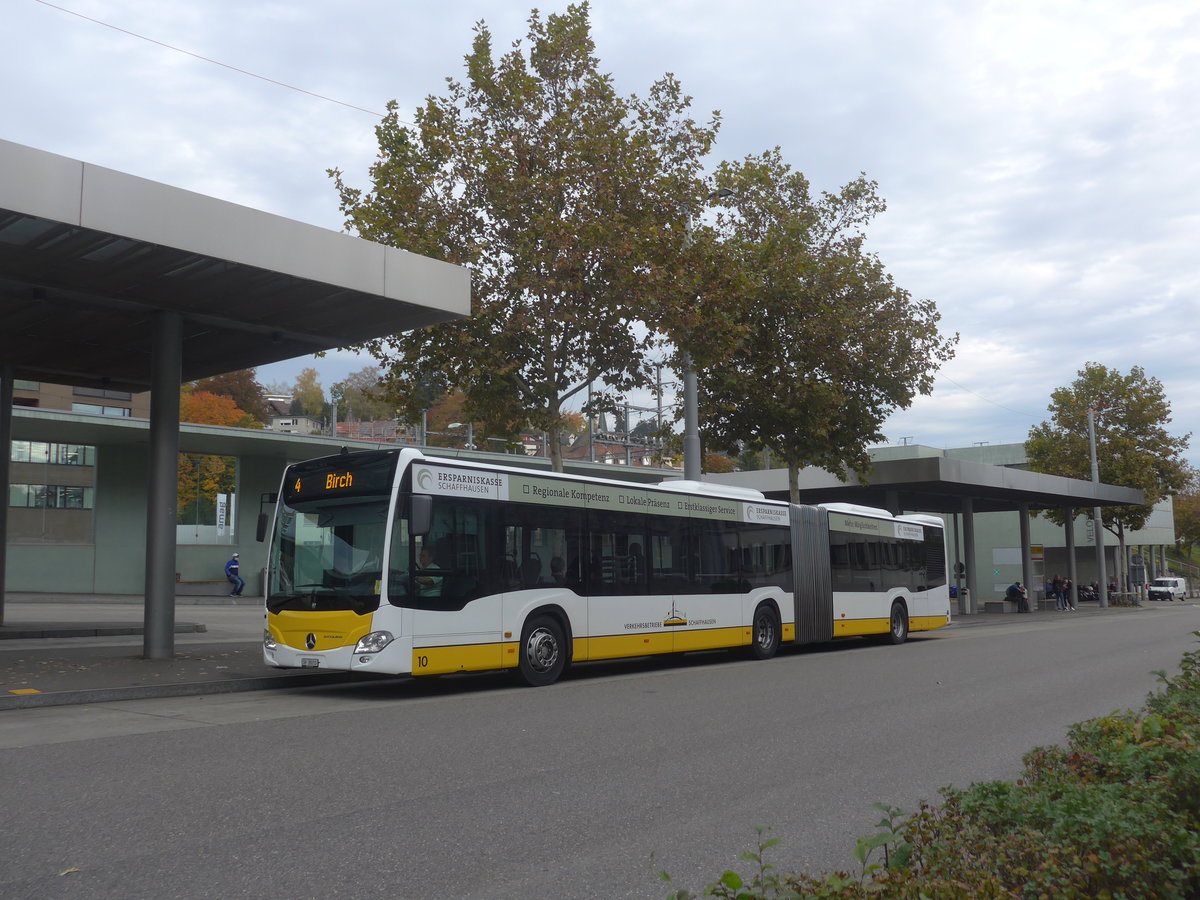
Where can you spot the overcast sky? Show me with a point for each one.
(1040, 160)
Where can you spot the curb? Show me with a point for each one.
(42, 632)
(187, 689)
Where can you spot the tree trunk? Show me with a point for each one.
(553, 438)
(793, 481)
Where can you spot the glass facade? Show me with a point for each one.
(98, 410)
(207, 495)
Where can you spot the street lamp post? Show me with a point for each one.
(691, 399)
(1102, 587)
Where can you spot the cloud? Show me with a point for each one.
(1041, 161)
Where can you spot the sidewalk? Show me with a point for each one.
(58, 650)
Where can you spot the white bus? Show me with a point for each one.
(391, 561)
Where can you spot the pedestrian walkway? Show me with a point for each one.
(67, 649)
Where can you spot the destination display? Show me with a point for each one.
(355, 476)
(908, 531)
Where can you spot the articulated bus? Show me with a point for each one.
(391, 561)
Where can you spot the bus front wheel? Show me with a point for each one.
(764, 633)
(543, 652)
(898, 632)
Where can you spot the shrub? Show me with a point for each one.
(1115, 815)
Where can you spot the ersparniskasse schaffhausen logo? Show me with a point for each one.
(425, 479)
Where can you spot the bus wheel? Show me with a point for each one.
(764, 638)
(898, 633)
(543, 652)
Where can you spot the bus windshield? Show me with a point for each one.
(328, 555)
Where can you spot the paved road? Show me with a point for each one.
(468, 787)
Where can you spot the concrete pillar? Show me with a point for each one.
(163, 477)
(1026, 560)
(7, 381)
(1072, 568)
(968, 514)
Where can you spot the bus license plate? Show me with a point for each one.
(308, 662)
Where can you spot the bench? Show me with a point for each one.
(212, 587)
(999, 606)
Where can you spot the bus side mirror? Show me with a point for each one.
(421, 515)
(263, 520)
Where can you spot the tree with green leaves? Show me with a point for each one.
(810, 345)
(361, 394)
(1133, 447)
(1187, 515)
(567, 200)
(308, 397)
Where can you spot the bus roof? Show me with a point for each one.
(409, 455)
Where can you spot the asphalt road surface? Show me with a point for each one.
(469, 787)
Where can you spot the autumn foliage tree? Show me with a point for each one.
(242, 388)
(206, 408)
(202, 478)
(568, 202)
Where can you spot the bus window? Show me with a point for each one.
(668, 555)
(617, 553)
(766, 557)
(716, 545)
(457, 548)
(541, 547)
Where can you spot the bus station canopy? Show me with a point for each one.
(940, 484)
(113, 282)
(88, 255)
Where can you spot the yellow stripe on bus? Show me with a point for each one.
(713, 638)
(459, 658)
(858, 627)
(618, 646)
(505, 655)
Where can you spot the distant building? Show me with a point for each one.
(281, 418)
(90, 401)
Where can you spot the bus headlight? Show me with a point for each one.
(374, 642)
(268, 641)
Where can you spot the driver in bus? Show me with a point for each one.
(428, 585)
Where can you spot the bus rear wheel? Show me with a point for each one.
(543, 652)
(898, 632)
(764, 633)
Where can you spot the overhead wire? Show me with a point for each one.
(207, 59)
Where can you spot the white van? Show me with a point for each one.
(1168, 589)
